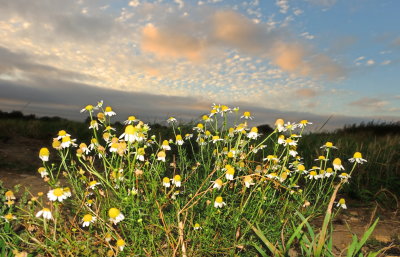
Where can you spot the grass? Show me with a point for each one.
(135, 202)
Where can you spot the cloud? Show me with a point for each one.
(370, 103)
(230, 29)
(306, 92)
(324, 3)
(168, 42)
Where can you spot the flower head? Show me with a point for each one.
(248, 181)
(9, 217)
(46, 213)
(357, 157)
(44, 154)
(56, 194)
(87, 219)
(337, 164)
(342, 203)
(120, 244)
(219, 202)
(115, 215)
(161, 156)
(166, 182)
(9, 195)
(108, 111)
(177, 180)
(247, 115)
(218, 184)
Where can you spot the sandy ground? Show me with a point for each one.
(19, 162)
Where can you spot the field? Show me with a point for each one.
(271, 202)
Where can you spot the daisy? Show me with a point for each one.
(120, 244)
(114, 147)
(273, 158)
(344, 176)
(328, 145)
(67, 192)
(46, 213)
(272, 175)
(279, 125)
(93, 144)
(248, 181)
(303, 123)
(219, 202)
(179, 140)
(215, 139)
(337, 164)
(246, 115)
(206, 118)
(171, 120)
(130, 120)
(108, 237)
(342, 203)
(56, 194)
(290, 142)
(197, 226)
(140, 154)
(165, 145)
(130, 134)
(87, 219)
(199, 127)
(61, 134)
(161, 156)
(44, 154)
(92, 184)
(84, 148)
(166, 182)
(56, 144)
(67, 142)
(230, 172)
(357, 157)
(43, 172)
(253, 133)
(188, 136)
(9, 217)
(258, 169)
(108, 111)
(281, 139)
(115, 215)
(312, 175)
(177, 180)
(89, 108)
(321, 158)
(9, 195)
(217, 184)
(329, 172)
(94, 125)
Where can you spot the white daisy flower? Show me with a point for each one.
(115, 215)
(56, 194)
(46, 213)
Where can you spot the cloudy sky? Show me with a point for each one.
(296, 59)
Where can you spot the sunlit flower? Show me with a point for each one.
(248, 181)
(328, 145)
(219, 202)
(67, 191)
(101, 117)
(140, 154)
(329, 172)
(188, 136)
(281, 139)
(357, 157)
(87, 219)
(321, 158)
(171, 120)
(108, 237)
(301, 168)
(130, 134)
(313, 175)
(166, 182)
(258, 169)
(61, 134)
(247, 115)
(199, 127)
(92, 184)
(337, 164)
(108, 111)
(84, 148)
(303, 123)
(9, 203)
(177, 180)
(115, 215)
(293, 152)
(342, 203)
(165, 145)
(290, 142)
(344, 176)
(290, 126)
(206, 118)
(230, 172)
(9, 195)
(89, 108)
(179, 140)
(272, 175)
(9, 217)
(45, 212)
(197, 226)
(120, 244)
(94, 125)
(67, 142)
(89, 202)
(161, 156)
(130, 120)
(215, 139)
(56, 144)
(279, 125)
(43, 172)
(44, 154)
(272, 158)
(201, 141)
(56, 194)
(217, 184)
(253, 134)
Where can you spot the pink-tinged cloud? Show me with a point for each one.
(230, 29)
(370, 103)
(306, 92)
(169, 43)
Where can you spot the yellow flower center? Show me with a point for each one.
(218, 182)
(113, 213)
(342, 201)
(132, 118)
(254, 130)
(205, 117)
(357, 155)
(215, 137)
(219, 199)
(92, 183)
(301, 167)
(62, 133)
(230, 171)
(161, 154)
(66, 139)
(337, 161)
(100, 116)
(165, 142)
(246, 114)
(304, 121)
(165, 180)
(313, 173)
(44, 152)
(9, 193)
(321, 157)
(46, 210)
(130, 130)
(87, 218)
(56, 143)
(178, 138)
(328, 144)
(41, 169)
(200, 126)
(9, 216)
(177, 178)
(58, 192)
(108, 109)
(120, 242)
(279, 122)
(89, 107)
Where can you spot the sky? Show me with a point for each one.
(290, 59)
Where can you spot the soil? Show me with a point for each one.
(19, 162)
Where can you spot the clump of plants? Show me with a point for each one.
(223, 189)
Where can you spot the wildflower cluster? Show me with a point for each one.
(125, 188)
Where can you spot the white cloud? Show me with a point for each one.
(134, 3)
(370, 62)
(283, 5)
(386, 62)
